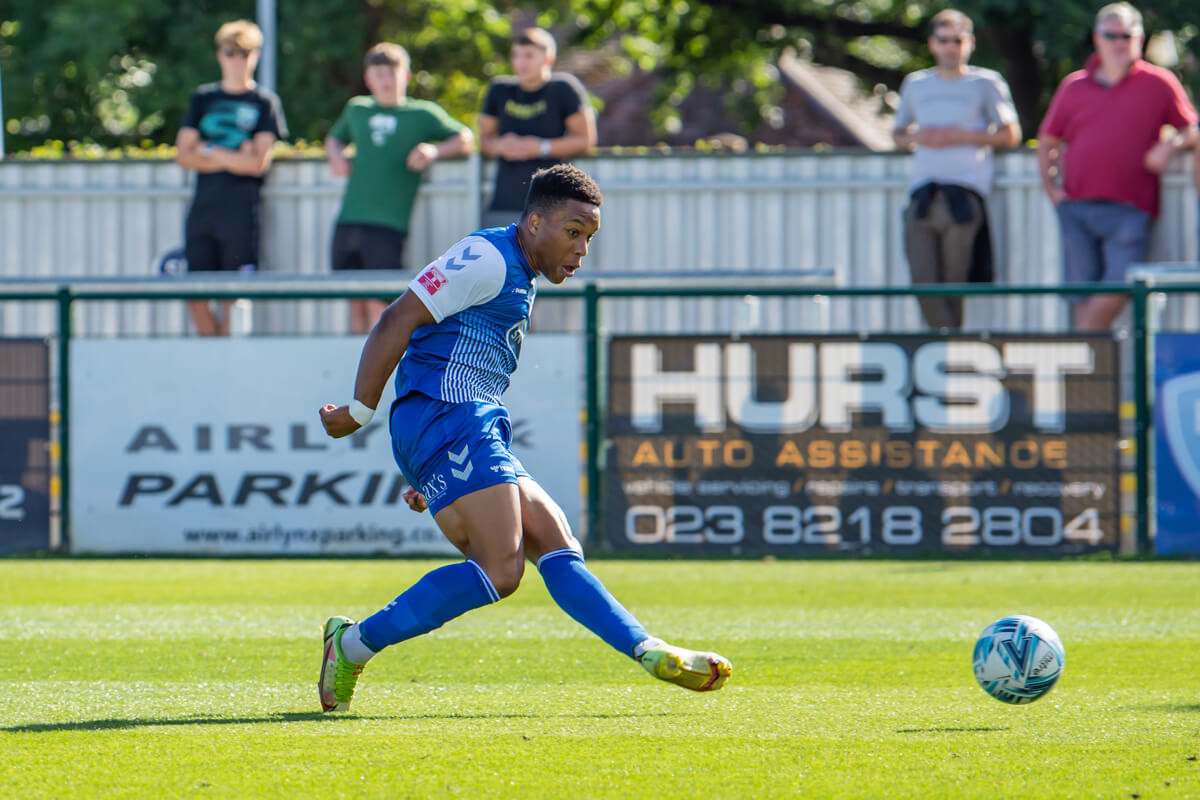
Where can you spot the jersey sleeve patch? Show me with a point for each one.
(470, 273)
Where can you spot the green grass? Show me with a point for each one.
(157, 678)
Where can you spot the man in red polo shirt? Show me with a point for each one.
(1100, 152)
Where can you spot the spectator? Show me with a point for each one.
(952, 115)
(395, 138)
(227, 136)
(533, 119)
(1100, 152)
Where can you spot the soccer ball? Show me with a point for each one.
(1018, 659)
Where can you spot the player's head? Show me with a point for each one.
(1118, 34)
(385, 71)
(951, 38)
(238, 45)
(533, 53)
(562, 214)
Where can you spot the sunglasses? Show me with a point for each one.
(234, 52)
(1113, 36)
(950, 39)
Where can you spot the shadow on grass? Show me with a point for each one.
(299, 716)
(952, 730)
(1171, 708)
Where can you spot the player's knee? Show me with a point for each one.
(507, 578)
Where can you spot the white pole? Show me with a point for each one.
(1, 115)
(266, 61)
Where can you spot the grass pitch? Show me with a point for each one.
(148, 678)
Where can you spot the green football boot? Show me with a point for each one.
(338, 674)
(700, 672)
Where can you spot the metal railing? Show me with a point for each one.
(66, 293)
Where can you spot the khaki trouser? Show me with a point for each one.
(940, 250)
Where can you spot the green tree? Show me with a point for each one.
(1034, 43)
(121, 71)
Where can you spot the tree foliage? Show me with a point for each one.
(119, 72)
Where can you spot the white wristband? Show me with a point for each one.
(361, 412)
(545, 148)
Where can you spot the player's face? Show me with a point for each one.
(237, 65)
(385, 82)
(1116, 42)
(530, 64)
(560, 239)
(951, 45)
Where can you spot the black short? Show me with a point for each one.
(221, 239)
(360, 246)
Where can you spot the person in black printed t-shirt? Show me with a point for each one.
(227, 136)
(532, 119)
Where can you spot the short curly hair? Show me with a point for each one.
(551, 186)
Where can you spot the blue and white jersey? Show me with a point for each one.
(480, 292)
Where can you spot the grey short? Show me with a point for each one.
(1101, 239)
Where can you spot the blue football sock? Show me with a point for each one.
(581, 594)
(440, 596)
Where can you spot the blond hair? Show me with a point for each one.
(241, 33)
(952, 16)
(387, 54)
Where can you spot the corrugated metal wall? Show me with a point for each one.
(673, 214)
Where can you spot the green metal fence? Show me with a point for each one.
(68, 293)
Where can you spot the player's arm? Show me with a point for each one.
(253, 157)
(1196, 165)
(335, 152)
(489, 136)
(905, 138)
(425, 153)
(1158, 156)
(1049, 158)
(580, 135)
(383, 350)
(191, 152)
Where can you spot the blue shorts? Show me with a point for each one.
(1101, 239)
(447, 450)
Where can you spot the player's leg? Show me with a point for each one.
(1082, 252)
(477, 508)
(201, 251)
(549, 542)
(958, 253)
(237, 236)
(922, 246)
(1126, 241)
(345, 255)
(382, 248)
(485, 526)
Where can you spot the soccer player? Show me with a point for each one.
(456, 334)
(227, 136)
(395, 138)
(531, 120)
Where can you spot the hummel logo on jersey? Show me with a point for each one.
(432, 279)
(458, 458)
(466, 257)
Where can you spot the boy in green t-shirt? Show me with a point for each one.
(395, 138)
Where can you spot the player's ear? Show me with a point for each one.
(535, 221)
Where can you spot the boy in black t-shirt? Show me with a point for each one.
(530, 120)
(227, 136)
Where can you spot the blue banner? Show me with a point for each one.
(24, 445)
(1177, 443)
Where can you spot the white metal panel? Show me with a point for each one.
(673, 214)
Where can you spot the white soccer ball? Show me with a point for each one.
(1018, 659)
